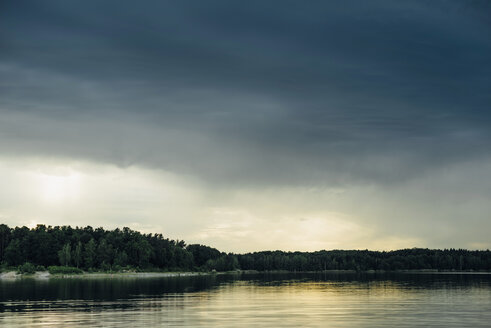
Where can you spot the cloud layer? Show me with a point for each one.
(386, 101)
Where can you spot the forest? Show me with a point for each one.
(90, 249)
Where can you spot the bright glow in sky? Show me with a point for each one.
(58, 188)
(69, 192)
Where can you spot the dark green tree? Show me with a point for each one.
(90, 253)
(104, 253)
(14, 253)
(65, 255)
(121, 258)
(77, 254)
(4, 240)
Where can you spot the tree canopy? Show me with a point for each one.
(100, 249)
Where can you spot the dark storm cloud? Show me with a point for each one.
(249, 91)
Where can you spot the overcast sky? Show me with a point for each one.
(250, 125)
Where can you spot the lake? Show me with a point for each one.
(251, 300)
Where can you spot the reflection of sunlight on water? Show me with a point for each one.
(268, 303)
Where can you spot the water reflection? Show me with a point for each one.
(263, 300)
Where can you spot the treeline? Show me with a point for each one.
(88, 248)
(98, 249)
(363, 260)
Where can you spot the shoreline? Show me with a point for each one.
(44, 275)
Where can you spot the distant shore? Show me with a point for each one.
(41, 275)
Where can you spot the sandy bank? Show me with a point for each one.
(9, 275)
(132, 275)
(98, 275)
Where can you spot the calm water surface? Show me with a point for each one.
(265, 300)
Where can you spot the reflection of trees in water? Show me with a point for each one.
(109, 289)
(397, 279)
(101, 288)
